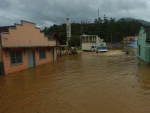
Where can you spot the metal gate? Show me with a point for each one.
(31, 58)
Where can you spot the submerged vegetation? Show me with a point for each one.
(104, 28)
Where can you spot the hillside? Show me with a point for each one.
(146, 23)
(108, 29)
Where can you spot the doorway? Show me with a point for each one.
(31, 58)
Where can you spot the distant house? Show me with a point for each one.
(144, 44)
(131, 41)
(91, 42)
(130, 38)
(23, 46)
(59, 43)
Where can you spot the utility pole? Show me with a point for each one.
(111, 41)
(81, 28)
(68, 29)
(81, 36)
(98, 14)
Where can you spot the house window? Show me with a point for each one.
(42, 54)
(16, 58)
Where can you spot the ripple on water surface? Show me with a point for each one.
(84, 83)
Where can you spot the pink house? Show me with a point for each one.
(23, 46)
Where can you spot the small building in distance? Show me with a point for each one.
(23, 46)
(131, 42)
(91, 42)
(143, 42)
(59, 43)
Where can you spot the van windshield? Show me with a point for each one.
(102, 47)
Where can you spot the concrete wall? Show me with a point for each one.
(25, 35)
(7, 62)
(143, 46)
(86, 46)
(9, 68)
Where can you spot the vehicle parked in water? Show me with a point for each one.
(101, 49)
(90, 42)
(86, 46)
(93, 48)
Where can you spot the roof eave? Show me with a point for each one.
(28, 46)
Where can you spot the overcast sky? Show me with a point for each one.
(49, 12)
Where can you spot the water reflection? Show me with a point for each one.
(85, 83)
(144, 75)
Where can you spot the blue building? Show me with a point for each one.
(144, 44)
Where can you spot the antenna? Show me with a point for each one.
(98, 13)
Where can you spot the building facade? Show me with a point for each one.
(143, 42)
(61, 49)
(91, 42)
(131, 42)
(23, 46)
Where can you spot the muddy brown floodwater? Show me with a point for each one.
(84, 83)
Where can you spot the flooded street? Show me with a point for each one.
(84, 83)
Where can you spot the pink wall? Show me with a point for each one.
(55, 53)
(9, 69)
(25, 35)
(48, 58)
(7, 64)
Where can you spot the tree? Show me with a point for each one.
(105, 28)
(74, 41)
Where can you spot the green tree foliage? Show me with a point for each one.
(74, 41)
(105, 28)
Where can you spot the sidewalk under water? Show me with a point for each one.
(84, 83)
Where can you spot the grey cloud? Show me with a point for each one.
(131, 5)
(48, 12)
(4, 4)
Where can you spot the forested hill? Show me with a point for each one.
(105, 28)
(143, 22)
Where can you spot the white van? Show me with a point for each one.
(93, 48)
(101, 49)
